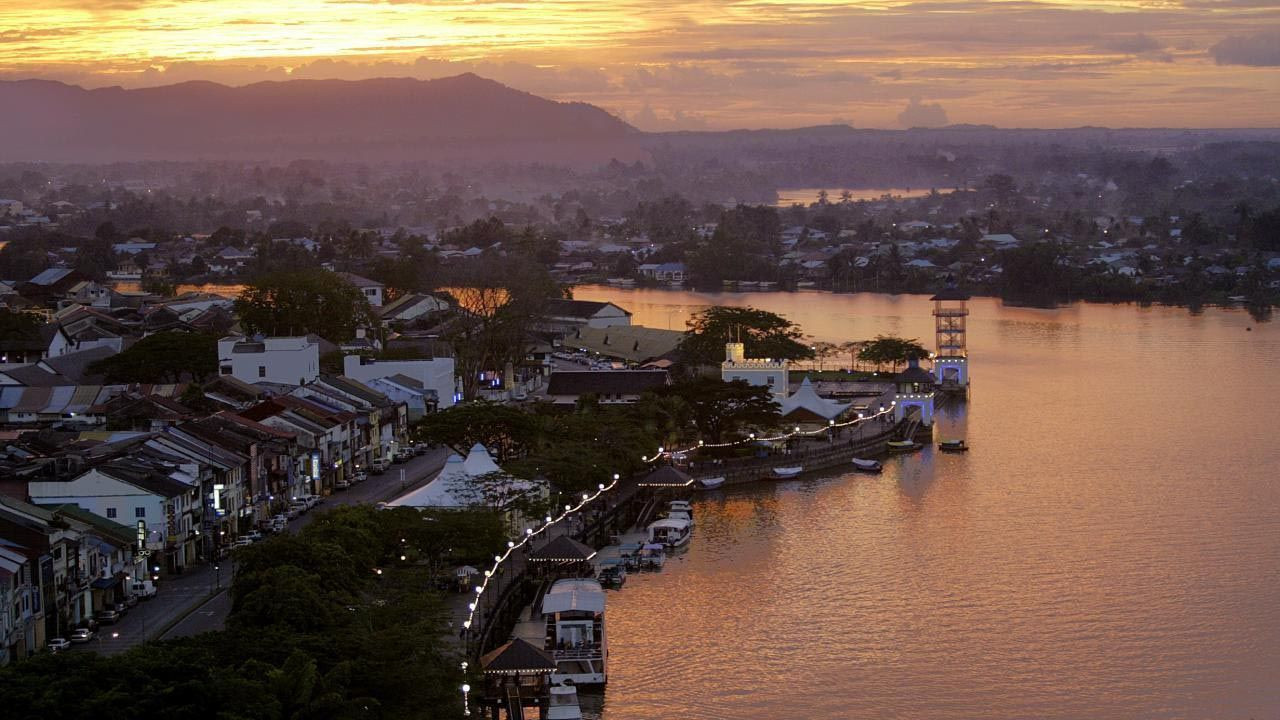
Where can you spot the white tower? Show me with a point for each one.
(769, 372)
(914, 388)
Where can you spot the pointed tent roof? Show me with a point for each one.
(439, 492)
(666, 476)
(806, 399)
(479, 462)
(562, 549)
(517, 657)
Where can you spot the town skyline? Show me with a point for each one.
(713, 65)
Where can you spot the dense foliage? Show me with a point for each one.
(765, 335)
(315, 632)
(302, 302)
(164, 357)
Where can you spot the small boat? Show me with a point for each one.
(680, 515)
(712, 483)
(652, 556)
(867, 466)
(563, 704)
(670, 532)
(787, 472)
(613, 573)
(953, 446)
(902, 445)
(680, 506)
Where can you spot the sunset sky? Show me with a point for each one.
(713, 64)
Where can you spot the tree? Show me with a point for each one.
(719, 408)
(506, 430)
(165, 357)
(765, 335)
(497, 303)
(893, 351)
(302, 302)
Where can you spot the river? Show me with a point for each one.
(1109, 548)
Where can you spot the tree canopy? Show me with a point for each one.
(765, 334)
(164, 357)
(893, 351)
(719, 408)
(302, 302)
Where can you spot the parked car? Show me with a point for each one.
(341, 484)
(130, 600)
(106, 617)
(81, 635)
(253, 536)
(59, 644)
(309, 500)
(121, 607)
(379, 466)
(401, 457)
(294, 510)
(240, 543)
(420, 448)
(359, 476)
(144, 589)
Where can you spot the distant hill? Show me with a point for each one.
(385, 117)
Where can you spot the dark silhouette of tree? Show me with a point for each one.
(164, 357)
(303, 302)
(765, 335)
(720, 408)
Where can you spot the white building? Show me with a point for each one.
(769, 372)
(435, 374)
(284, 360)
(371, 289)
(585, 312)
(914, 390)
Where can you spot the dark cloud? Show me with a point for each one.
(1260, 50)
(921, 114)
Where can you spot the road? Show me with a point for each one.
(198, 601)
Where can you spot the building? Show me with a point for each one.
(409, 307)
(632, 344)
(806, 407)
(616, 387)
(769, 372)
(585, 312)
(435, 374)
(371, 289)
(284, 360)
(914, 390)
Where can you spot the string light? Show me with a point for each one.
(831, 425)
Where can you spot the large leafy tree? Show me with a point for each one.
(497, 304)
(720, 408)
(165, 357)
(765, 334)
(890, 350)
(302, 302)
(506, 430)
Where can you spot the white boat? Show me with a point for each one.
(680, 506)
(787, 472)
(867, 466)
(680, 515)
(564, 703)
(574, 610)
(712, 483)
(670, 532)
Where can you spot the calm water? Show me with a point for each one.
(1109, 548)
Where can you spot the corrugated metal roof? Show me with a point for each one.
(34, 399)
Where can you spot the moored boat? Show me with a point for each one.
(563, 704)
(613, 573)
(787, 472)
(652, 556)
(953, 446)
(574, 610)
(867, 466)
(670, 532)
(712, 483)
(902, 445)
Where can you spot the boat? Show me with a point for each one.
(680, 515)
(787, 472)
(953, 446)
(613, 573)
(712, 483)
(902, 445)
(670, 532)
(574, 611)
(629, 554)
(867, 466)
(563, 704)
(652, 556)
(680, 506)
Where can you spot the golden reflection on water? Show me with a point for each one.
(1109, 548)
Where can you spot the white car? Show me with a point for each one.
(253, 536)
(81, 635)
(59, 644)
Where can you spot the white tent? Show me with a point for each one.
(806, 400)
(479, 462)
(442, 492)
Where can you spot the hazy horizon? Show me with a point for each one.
(711, 65)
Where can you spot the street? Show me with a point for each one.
(197, 601)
